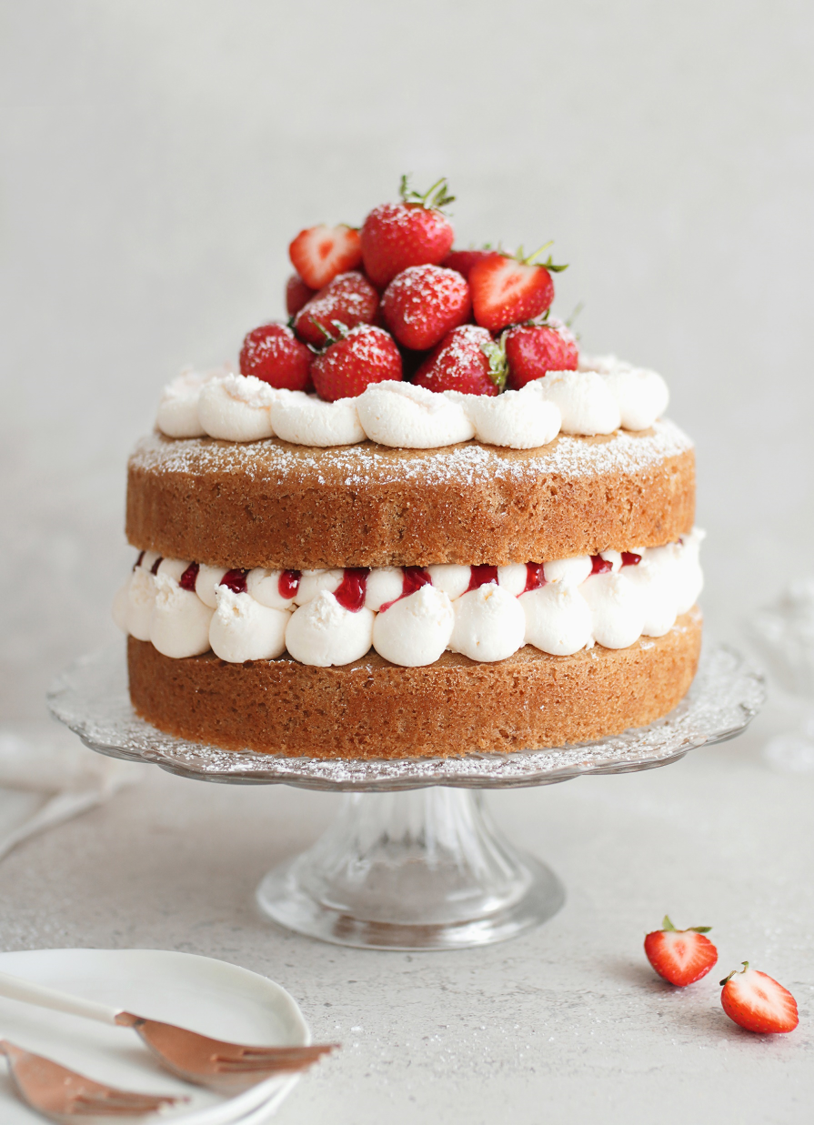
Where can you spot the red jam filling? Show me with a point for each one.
(351, 592)
(480, 576)
(535, 578)
(235, 580)
(288, 583)
(188, 578)
(630, 559)
(600, 565)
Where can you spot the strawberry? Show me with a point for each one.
(274, 354)
(349, 299)
(533, 349)
(507, 290)
(466, 360)
(297, 294)
(757, 1002)
(411, 233)
(423, 303)
(364, 355)
(464, 260)
(680, 956)
(320, 253)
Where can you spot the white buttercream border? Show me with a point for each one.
(604, 395)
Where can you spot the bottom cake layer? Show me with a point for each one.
(374, 709)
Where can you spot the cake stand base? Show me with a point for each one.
(413, 861)
(422, 869)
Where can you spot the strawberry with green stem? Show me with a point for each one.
(756, 1002)
(467, 360)
(681, 957)
(507, 290)
(360, 356)
(414, 232)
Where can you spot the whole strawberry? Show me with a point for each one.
(364, 355)
(297, 294)
(274, 354)
(411, 233)
(533, 349)
(508, 290)
(757, 1002)
(464, 260)
(466, 360)
(423, 303)
(349, 299)
(320, 253)
(680, 956)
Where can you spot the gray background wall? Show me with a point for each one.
(158, 155)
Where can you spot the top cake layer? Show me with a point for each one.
(277, 505)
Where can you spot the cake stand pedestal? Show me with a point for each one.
(413, 861)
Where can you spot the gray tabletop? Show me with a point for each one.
(566, 1024)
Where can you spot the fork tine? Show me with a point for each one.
(122, 1097)
(273, 1053)
(279, 1067)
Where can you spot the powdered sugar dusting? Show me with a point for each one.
(468, 463)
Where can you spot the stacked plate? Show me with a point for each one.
(211, 997)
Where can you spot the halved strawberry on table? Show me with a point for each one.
(509, 290)
(319, 254)
(411, 233)
(756, 1002)
(274, 354)
(467, 360)
(534, 349)
(681, 957)
(362, 356)
(423, 303)
(349, 300)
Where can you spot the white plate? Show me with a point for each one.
(208, 996)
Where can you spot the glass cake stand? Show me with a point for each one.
(413, 860)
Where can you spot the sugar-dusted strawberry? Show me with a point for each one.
(274, 354)
(533, 349)
(423, 303)
(349, 299)
(297, 294)
(319, 254)
(680, 956)
(464, 260)
(507, 290)
(364, 355)
(757, 1002)
(411, 233)
(466, 360)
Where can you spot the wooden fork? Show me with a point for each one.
(222, 1066)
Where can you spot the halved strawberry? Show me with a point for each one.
(507, 290)
(349, 299)
(533, 349)
(274, 354)
(464, 260)
(320, 253)
(680, 956)
(757, 1002)
(362, 356)
(411, 233)
(466, 360)
(297, 294)
(422, 303)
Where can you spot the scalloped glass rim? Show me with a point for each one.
(91, 698)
